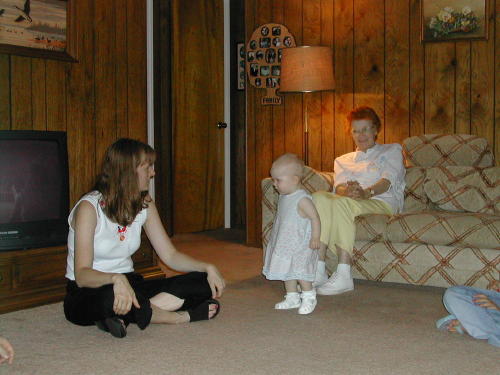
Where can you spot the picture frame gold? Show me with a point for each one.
(38, 28)
(453, 20)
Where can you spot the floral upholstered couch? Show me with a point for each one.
(449, 230)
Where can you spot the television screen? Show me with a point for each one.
(33, 189)
(30, 188)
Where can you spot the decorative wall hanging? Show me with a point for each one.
(445, 20)
(264, 52)
(36, 28)
(240, 49)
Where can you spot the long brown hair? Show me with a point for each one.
(121, 198)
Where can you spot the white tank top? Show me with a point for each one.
(113, 244)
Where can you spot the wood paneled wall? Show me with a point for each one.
(96, 100)
(416, 88)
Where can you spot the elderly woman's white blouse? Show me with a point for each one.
(379, 161)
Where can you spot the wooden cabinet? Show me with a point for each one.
(36, 276)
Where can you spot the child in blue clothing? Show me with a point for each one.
(473, 311)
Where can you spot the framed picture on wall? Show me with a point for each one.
(445, 20)
(36, 28)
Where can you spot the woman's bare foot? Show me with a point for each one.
(212, 310)
(205, 310)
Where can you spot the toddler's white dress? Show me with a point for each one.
(288, 256)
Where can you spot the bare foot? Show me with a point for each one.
(455, 326)
(205, 310)
(212, 310)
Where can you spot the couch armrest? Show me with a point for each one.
(269, 207)
(312, 181)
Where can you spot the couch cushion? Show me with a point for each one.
(422, 264)
(269, 207)
(371, 227)
(433, 150)
(415, 197)
(317, 181)
(462, 189)
(446, 228)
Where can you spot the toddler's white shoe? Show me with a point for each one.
(308, 303)
(336, 284)
(291, 301)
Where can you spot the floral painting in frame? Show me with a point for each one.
(444, 20)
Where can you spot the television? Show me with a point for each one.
(34, 189)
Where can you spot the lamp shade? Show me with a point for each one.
(307, 69)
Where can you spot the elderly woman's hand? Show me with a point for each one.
(355, 191)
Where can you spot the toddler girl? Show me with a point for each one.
(291, 254)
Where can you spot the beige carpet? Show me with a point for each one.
(377, 329)
(374, 330)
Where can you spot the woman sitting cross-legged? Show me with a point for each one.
(367, 181)
(104, 232)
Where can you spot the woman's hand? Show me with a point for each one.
(482, 301)
(124, 295)
(215, 280)
(355, 191)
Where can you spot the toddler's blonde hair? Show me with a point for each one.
(291, 162)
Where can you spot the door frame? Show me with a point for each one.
(159, 107)
(227, 114)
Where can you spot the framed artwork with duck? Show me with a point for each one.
(37, 28)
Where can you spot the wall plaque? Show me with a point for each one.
(263, 59)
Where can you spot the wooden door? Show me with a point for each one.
(197, 107)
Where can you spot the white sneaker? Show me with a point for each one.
(291, 301)
(336, 284)
(320, 279)
(308, 304)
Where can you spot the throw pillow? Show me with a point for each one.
(470, 189)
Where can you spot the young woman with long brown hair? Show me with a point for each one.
(104, 232)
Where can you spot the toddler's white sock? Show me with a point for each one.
(308, 294)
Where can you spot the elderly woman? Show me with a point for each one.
(369, 180)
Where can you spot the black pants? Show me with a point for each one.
(85, 306)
